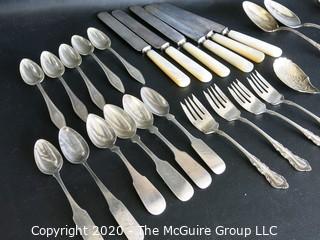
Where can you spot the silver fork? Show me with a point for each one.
(269, 94)
(202, 120)
(252, 104)
(223, 106)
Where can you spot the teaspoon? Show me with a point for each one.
(144, 120)
(264, 20)
(102, 42)
(49, 161)
(76, 150)
(159, 106)
(72, 59)
(125, 127)
(54, 68)
(103, 136)
(32, 74)
(84, 47)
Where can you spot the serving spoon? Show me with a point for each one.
(49, 161)
(76, 150)
(84, 47)
(103, 136)
(286, 16)
(102, 42)
(54, 68)
(159, 106)
(72, 59)
(125, 127)
(265, 21)
(144, 120)
(32, 74)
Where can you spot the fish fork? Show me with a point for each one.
(252, 104)
(269, 94)
(223, 106)
(199, 116)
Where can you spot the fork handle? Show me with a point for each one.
(288, 102)
(275, 179)
(310, 135)
(311, 25)
(297, 162)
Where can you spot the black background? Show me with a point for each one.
(239, 197)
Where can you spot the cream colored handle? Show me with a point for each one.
(187, 63)
(248, 52)
(229, 56)
(213, 64)
(180, 78)
(262, 46)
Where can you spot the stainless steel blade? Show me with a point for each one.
(150, 37)
(162, 27)
(131, 38)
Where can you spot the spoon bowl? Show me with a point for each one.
(31, 72)
(156, 103)
(98, 38)
(69, 56)
(51, 65)
(82, 45)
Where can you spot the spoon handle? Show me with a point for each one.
(133, 71)
(111, 76)
(78, 106)
(192, 168)
(180, 187)
(311, 25)
(95, 95)
(89, 231)
(124, 218)
(288, 102)
(56, 116)
(309, 40)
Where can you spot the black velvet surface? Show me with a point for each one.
(240, 197)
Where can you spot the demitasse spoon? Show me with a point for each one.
(103, 136)
(72, 59)
(84, 47)
(54, 68)
(76, 151)
(102, 42)
(125, 127)
(144, 120)
(49, 161)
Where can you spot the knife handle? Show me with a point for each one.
(188, 64)
(229, 56)
(213, 64)
(180, 78)
(262, 46)
(244, 50)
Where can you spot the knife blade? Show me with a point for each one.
(208, 26)
(157, 42)
(181, 79)
(180, 40)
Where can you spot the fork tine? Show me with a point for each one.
(211, 92)
(262, 79)
(199, 104)
(193, 108)
(236, 88)
(235, 95)
(212, 101)
(260, 85)
(217, 96)
(187, 112)
(256, 87)
(244, 89)
(221, 94)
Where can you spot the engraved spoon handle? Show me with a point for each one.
(56, 116)
(311, 25)
(275, 179)
(310, 135)
(297, 162)
(80, 216)
(288, 102)
(78, 106)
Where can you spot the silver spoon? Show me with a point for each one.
(293, 76)
(49, 161)
(264, 20)
(286, 16)
(103, 136)
(159, 106)
(84, 47)
(144, 120)
(72, 59)
(32, 74)
(102, 42)
(125, 127)
(54, 68)
(76, 151)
